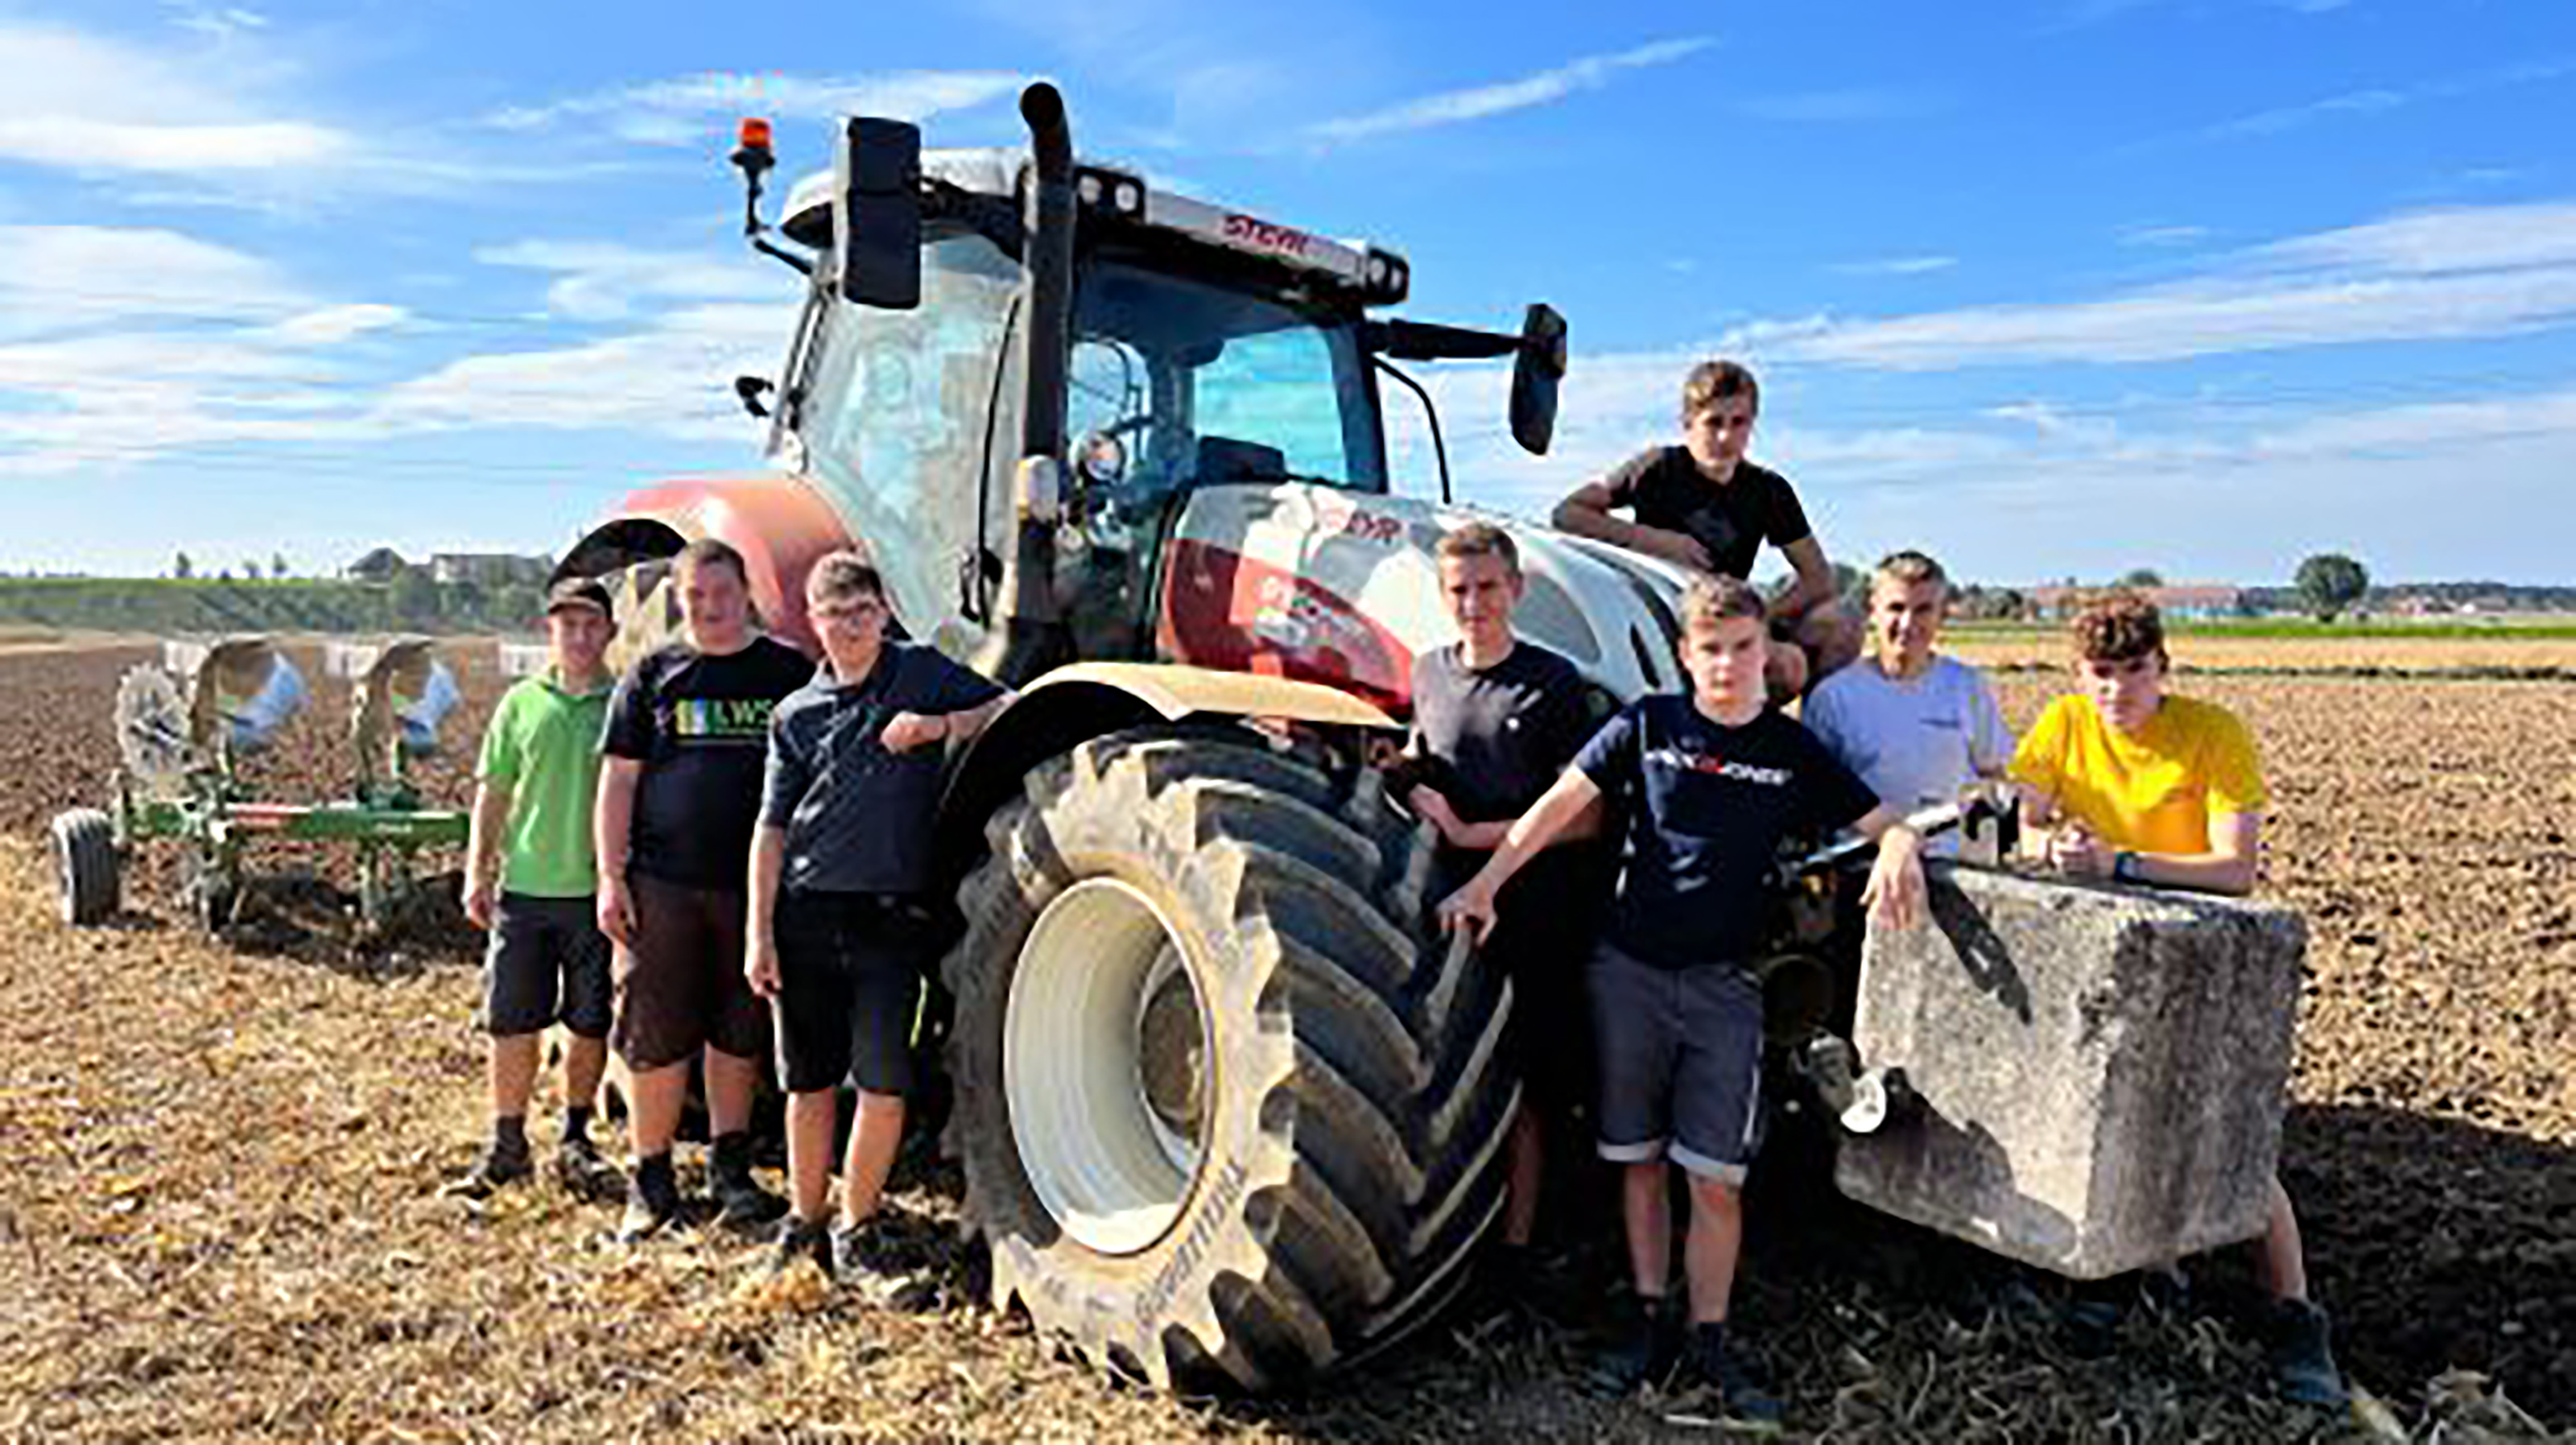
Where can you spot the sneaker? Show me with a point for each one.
(741, 1204)
(1722, 1384)
(857, 1265)
(583, 1173)
(1643, 1345)
(2090, 1326)
(652, 1200)
(800, 1239)
(498, 1166)
(2302, 1356)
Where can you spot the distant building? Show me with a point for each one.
(489, 569)
(382, 565)
(2058, 601)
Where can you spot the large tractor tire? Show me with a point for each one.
(1229, 1113)
(87, 883)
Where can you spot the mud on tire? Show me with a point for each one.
(1228, 1113)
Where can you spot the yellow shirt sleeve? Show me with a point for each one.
(2040, 760)
(2229, 763)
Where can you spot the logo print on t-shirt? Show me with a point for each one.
(1718, 767)
(722, 719)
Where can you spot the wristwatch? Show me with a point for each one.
(2125, 869)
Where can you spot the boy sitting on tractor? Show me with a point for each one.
(1702, 505)
(2127, 781)
(841, 925)
(1712, 782)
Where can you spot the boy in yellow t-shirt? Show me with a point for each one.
(2126, 781)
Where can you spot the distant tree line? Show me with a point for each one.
(195, 603)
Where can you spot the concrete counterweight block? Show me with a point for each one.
(2100, 1069)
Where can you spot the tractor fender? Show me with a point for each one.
(779, 523)
(1075, 703)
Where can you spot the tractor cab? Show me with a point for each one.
(969, 309)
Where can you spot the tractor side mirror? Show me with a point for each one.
(1536, 370)
(876, 213)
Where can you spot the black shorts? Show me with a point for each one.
(546, 963)
(849, 989)
(680, 986)
(1545, 924)
(1681, 1063)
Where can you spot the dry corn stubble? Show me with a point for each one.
(222, 1220)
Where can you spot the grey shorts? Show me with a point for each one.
(546, 963)
(1681, 1063)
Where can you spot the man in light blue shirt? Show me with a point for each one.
(1917, 727)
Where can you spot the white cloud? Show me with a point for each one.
(57, 276)
(2458, 273)
(1898, 266)
(672, 378)
(336, 325)
(75, 144)
(603, 280)
(78, 101)
(687, 109)
(118, 345)
(2162, 235)
(1452, 107)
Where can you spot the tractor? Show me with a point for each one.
(1228, 1108)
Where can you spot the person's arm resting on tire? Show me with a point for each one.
(1472, 907)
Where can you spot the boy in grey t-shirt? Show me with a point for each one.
(1916, 726)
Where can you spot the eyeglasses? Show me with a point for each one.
(848, 612)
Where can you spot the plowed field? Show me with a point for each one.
(218, 1215)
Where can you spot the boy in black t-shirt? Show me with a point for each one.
(1711, 782)
(1495, 719)
(840, 923)
(678, 790)
(1702, 505)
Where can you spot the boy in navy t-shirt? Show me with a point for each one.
(1711, 783)
(841, 923)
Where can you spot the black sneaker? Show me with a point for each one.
(741, 1204)
(583, 1173)
(2090, 1326)
(652, 1200)
(1643, 1344)
(1721, 1384)
(859, 1267)
(800, 1239)
(2302, 1356)
(498, 1166)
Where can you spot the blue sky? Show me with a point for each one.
(2052, 287)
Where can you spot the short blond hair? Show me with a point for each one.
(1479, 539)
(1712, 599)
(1713, 381)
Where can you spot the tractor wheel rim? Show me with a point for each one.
(1105, 1066)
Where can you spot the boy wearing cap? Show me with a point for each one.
(530, 883)
(841, 927)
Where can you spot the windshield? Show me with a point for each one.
(1175, 382)
(895, 417)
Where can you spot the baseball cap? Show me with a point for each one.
(580, 592)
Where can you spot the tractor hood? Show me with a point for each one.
(1342, 588)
